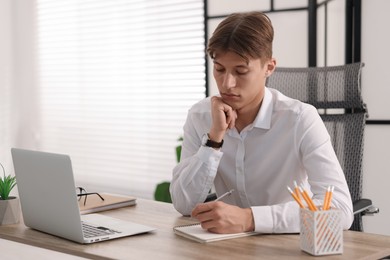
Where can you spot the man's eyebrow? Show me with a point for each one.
(238, 66)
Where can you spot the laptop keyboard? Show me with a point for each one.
(92, 231)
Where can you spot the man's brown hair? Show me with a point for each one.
(249, 35)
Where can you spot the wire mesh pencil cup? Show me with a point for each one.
(321, 232)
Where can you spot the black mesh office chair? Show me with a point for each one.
(335, 91)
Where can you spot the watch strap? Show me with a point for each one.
(213, 144)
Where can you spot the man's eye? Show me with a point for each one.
(242, 72)
(219, 69)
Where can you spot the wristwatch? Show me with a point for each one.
(210, 143)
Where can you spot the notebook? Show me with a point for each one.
(111, 201)
(49, 202)
(197, 233)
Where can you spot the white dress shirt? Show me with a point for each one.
(287, 142)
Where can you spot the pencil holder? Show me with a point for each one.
(321, 232)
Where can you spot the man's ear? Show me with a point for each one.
(271, 65)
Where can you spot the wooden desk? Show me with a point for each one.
(164, 244)
(13, 250)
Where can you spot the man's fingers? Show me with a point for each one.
(206, 214)
(224, 116)
(231, 117)
(200, 209)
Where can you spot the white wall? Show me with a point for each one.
(376, 93)
(17, 75)
(25, 97)
(17, 78)
(376, 177)
(5, 77)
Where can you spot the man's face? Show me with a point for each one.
(240, 83)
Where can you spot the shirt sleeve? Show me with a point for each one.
(281, 218)
(317, 156)
(322, 165)
(194, 176)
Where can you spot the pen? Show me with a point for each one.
(225, 194)
(297, 199)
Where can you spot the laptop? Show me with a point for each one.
(49, 201)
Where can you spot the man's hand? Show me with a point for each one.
(219, 217)
(223, 116)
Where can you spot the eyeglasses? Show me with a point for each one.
(82, 192)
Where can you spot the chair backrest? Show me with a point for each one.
(336, 93)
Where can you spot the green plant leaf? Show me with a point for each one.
(7, 183)
(178, 149)
(178, 153)
(162, 192)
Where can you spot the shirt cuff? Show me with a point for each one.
(263, 219)
(209, 156)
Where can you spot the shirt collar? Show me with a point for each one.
(263, 118)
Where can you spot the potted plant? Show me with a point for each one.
(9, 205)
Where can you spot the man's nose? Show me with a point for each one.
(229, 81)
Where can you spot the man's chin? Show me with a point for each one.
(232, 104)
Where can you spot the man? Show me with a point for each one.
(254, 140)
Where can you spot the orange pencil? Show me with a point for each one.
(328, 198)
(297, 199)
(308, 200)
(296, 190)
